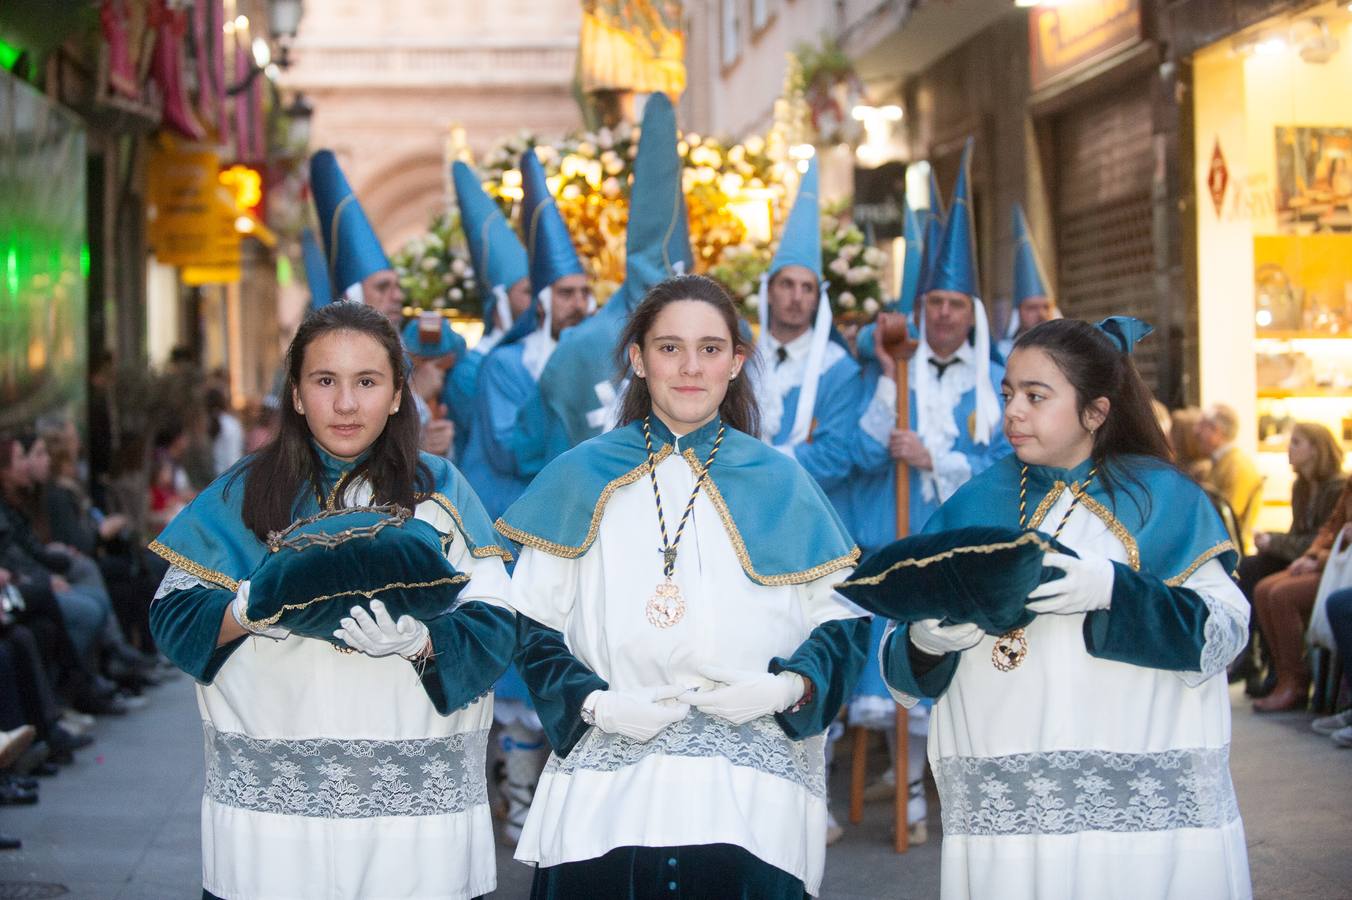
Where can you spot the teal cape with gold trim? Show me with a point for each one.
(781, 525)
(208, 537)
(1162, 518)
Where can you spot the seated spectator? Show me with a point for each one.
(1233, 475)
(1317, 460)
(1188, 454)
(170, 489)
(1283, 603)
(1338, 605)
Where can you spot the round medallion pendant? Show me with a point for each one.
(666, 607)
(1010, 650)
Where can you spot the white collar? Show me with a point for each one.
(796, 349)
(1222, 450)
(963, 353)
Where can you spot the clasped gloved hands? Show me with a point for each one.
(1086, 586)
(377, 634)
(239, 609)
(638, 713)
(741, 695)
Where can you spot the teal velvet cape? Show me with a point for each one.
(1165, 523)
(771, 507)
(208, 540)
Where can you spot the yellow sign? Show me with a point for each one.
(181, 188)
(1068, 37)
(245, 185)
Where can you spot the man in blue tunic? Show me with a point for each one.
(579, 388)
(1033, 301)
(955, 430)
(808, 388)
(358, 267)
(501, 271)
(433, 347)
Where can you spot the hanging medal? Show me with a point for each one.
(1011, 648)
(666, 606)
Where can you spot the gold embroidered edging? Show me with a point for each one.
(1206, 557)
(398, 585)
(1028, 537)
(1117, 529)
(526, 539)
(1045, 506)
(477, 552)
(739, 546)
(178, 559)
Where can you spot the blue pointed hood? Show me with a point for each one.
(548, 243)
(800, 244)
(657, 242)
(416, 338)
(1029, 276)
(933, 223)
(914, 260)
(350, 243)
(498, 257)
(955, 267)
(316, 270)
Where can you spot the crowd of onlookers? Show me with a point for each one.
(76, 577)
(1280, 573)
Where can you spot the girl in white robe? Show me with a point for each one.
(1087, 755)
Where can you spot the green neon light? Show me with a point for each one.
(9, 55)
(84, 260)
(12, 271)
(284, 273)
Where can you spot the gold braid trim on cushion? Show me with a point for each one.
(254, 624)
(175, 558)
(739, 546)
(477, 552)
(1206, 557)
(526, 539)
(1028, 537)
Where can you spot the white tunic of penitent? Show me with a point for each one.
(1073, 777)
(331, 775)
(702, 780)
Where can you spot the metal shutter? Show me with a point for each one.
(1105, 248)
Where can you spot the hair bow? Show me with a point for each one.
(1125, 331)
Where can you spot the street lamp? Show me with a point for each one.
(299, 112)
(283, 22)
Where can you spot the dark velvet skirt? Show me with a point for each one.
(700, 872)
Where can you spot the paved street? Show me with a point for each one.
(122, 823)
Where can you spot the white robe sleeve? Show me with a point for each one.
(543, 587)
(1227, 624)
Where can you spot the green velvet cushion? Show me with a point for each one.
(321, 567)
(981, 575)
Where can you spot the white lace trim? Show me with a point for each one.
(1224, 635)
(333, 779)
(760, 744)
(177, 579)
(1071, 791)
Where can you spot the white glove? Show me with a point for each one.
(639, 714)
(382, 636)
(239, 608)
(936, 640)
(1087, 585)
(745, 694)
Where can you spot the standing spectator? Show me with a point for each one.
(1317, 460)
(225, 431)
(1233, 476)
(1283, 603)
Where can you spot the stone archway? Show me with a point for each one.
(401, 197)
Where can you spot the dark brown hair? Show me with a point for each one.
(1328, 454)
(288, 467)
(1096, 367)
(738, 408)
